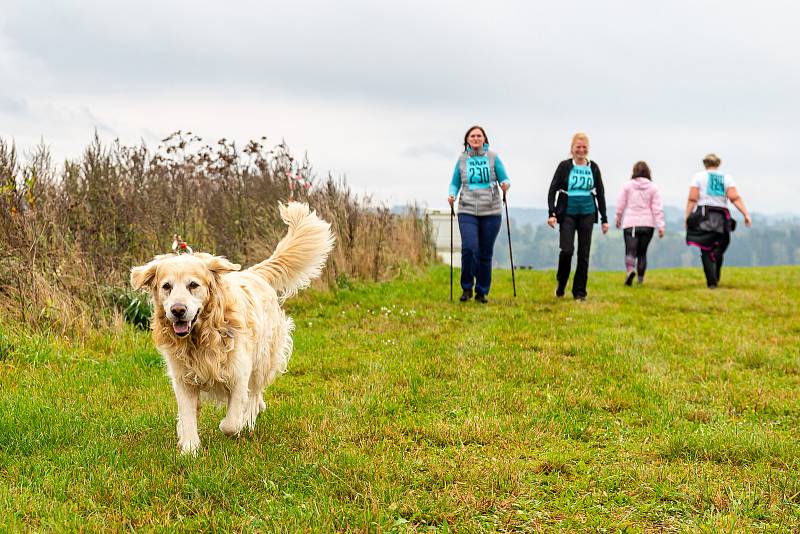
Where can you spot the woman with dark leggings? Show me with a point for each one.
(639, 212)
(579, 187)
(708, 220)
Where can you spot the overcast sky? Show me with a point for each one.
(383, 92)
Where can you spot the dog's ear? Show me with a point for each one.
(219, 304)
(144, 276)
(220, 265)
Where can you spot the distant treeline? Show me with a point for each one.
(535, 245)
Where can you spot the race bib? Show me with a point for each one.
(581, 181)
(716, 185)
(478, 175)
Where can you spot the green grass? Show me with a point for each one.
(660, 408)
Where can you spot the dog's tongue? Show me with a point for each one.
(181, 327)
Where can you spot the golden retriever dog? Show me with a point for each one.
(222, 331)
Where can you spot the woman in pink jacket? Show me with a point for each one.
(639, 212)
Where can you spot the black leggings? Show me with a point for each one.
(637, 239)
(583, 225)
(712, 259)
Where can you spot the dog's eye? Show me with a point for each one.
(193, 285)
(166, 286)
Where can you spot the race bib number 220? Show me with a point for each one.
(581, 180)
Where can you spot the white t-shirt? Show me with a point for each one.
(712, 186)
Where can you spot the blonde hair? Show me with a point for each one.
(576, 137)
(711, 160)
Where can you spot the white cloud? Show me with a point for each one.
(382, 92)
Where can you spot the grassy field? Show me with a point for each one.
(661, 408)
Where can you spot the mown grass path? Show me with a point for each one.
(666, 407)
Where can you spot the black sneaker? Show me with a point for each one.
(559, 291)
(480, 297)
(712, 286)
(466, 295)
(629, 278)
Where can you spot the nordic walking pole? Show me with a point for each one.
(452, 215)
(510, 254)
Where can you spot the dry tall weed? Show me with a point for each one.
(68, 236)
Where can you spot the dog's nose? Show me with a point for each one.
(178, 310)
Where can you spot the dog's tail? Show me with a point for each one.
(301, 254)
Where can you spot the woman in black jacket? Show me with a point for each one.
(581, 196)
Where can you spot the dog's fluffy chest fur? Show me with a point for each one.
(201, 366)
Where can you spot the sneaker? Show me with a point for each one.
(580, 298)
(480, 297)
(640, 280)
(712, 286)
(466, 295)
(629, 278)
(559, 291)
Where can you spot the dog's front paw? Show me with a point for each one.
(229, 427)
(189, 446)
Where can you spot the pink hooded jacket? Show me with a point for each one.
(640, 201)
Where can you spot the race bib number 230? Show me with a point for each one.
(478, 175)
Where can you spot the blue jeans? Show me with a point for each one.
(478, 234)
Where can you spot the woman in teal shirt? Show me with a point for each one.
(479, 176)
(581, 196)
